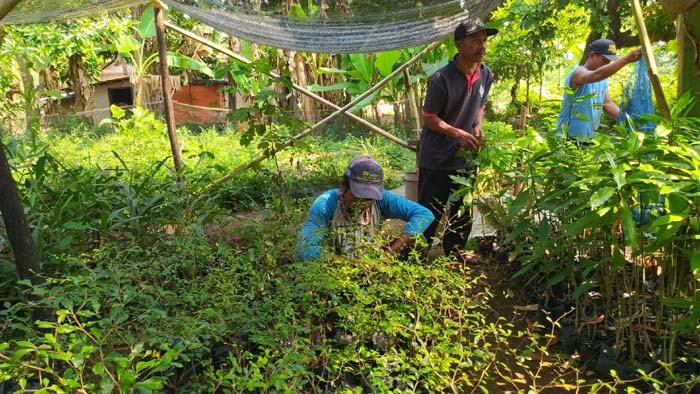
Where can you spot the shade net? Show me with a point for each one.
(323, 26)
(637, 100)
(41, 11)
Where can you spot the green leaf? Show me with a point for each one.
(584, 287)
(690, 321)
(363, 64)
(618, 173)
(385, 62)
(365, 102)
(593, 219)
(559, 276)
(601, 196)
(297, 11)
(187, 63)
(677, 302)
(667, 219)
(330, 70)
(634, 141)
(695, 265)
(629, 227)
(147, 25)
(618, 259)
(337, 86)
(117, 112)
(126, 44)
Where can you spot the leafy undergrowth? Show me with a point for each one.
(183, 315)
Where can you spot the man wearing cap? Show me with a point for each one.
(348, 217)
(453, 112)
(586, 94)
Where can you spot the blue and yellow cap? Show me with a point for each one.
(366, 177)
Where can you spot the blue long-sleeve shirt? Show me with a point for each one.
(317, 226)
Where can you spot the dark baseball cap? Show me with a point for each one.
(366, 178)
(471, 26)
(604, 47)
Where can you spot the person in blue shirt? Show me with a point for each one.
(587, 95)
(344, 219)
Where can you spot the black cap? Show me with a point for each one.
(604, 47)
(471, 26)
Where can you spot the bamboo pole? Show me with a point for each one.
(301, 89)
(6, 6)
(167, 88)
(651, 62)
(339, 111)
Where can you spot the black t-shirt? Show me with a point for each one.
(452, 98)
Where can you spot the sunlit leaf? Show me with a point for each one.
(601, 196)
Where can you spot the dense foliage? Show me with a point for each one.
(156, 288)
(177, 282)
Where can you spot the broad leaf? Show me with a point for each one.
(147, 25)
(601, 196)
(385, 62)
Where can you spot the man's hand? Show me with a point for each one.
(467, 140)
(633, 55)
(479, 134)
(399, 243)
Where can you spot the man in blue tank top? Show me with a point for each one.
(586, 94)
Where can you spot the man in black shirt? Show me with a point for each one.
(453, 113)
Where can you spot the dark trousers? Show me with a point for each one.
(434, 189)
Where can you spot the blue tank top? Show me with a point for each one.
(580, 114)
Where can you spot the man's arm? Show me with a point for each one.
(465, 139)
(416, 216)
(610, 107)
(582, 75)
(315, 229)
(478, 120)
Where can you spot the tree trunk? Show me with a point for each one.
(28, 94)
(48, 80)
(26, 258)
(308, 105)
(80, 82)
(689, 56)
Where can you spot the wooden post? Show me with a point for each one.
(167, 88)
(651, 62)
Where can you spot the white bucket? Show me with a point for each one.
(411, 179)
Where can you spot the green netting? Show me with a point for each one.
(329, 26)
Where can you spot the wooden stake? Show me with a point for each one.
(167, 88)
(651, 62)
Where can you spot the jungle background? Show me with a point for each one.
(156, 280)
